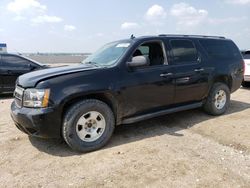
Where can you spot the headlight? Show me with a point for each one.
(36, 98)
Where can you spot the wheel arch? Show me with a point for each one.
(106, 97)
(226, 79)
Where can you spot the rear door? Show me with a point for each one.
(12, 67)
(191, 80)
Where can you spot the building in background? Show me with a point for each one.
(3, 48)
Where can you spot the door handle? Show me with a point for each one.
(199, 70)
(166, 74)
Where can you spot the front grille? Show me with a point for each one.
(18, 94)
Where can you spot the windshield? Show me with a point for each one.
(108, 54)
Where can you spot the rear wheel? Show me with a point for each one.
(88, 125)
(218, 99)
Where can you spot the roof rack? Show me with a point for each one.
(202, 36)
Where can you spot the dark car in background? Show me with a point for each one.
(12, 66)
(246, 56)
(125, 82)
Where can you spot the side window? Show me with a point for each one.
(220, 49)
(152, 50)
(183, 51)
(14, 61)
(144, 50)
(246, 55)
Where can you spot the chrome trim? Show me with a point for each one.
(18, 94)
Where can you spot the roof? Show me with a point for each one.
(180, 36)
(192, 36)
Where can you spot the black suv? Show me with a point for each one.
(12, 66)
(125, 82)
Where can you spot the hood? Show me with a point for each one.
(32, 78)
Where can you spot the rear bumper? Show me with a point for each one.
(37, 122)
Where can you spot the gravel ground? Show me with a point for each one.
(186, 149)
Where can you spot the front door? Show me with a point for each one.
(149, 88)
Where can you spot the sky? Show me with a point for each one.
(78, 26)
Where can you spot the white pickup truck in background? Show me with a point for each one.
(246, 56)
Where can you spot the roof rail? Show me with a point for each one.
(202, 36)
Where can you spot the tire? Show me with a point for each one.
(213, 106)
(95, 116)
(245, 84)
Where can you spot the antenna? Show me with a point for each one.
(132, 36)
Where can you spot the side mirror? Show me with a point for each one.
(139, 61)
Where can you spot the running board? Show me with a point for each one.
(160, 113)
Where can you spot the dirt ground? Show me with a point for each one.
(186, 149)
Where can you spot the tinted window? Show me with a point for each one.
(246, 55)
(183, 51)
(14, 61)
(221, 49)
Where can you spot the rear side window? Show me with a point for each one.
(14, 61)
(221, 49)
(183, 51)
(246, 55)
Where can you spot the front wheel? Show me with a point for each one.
(88, 125)
(218, 99)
